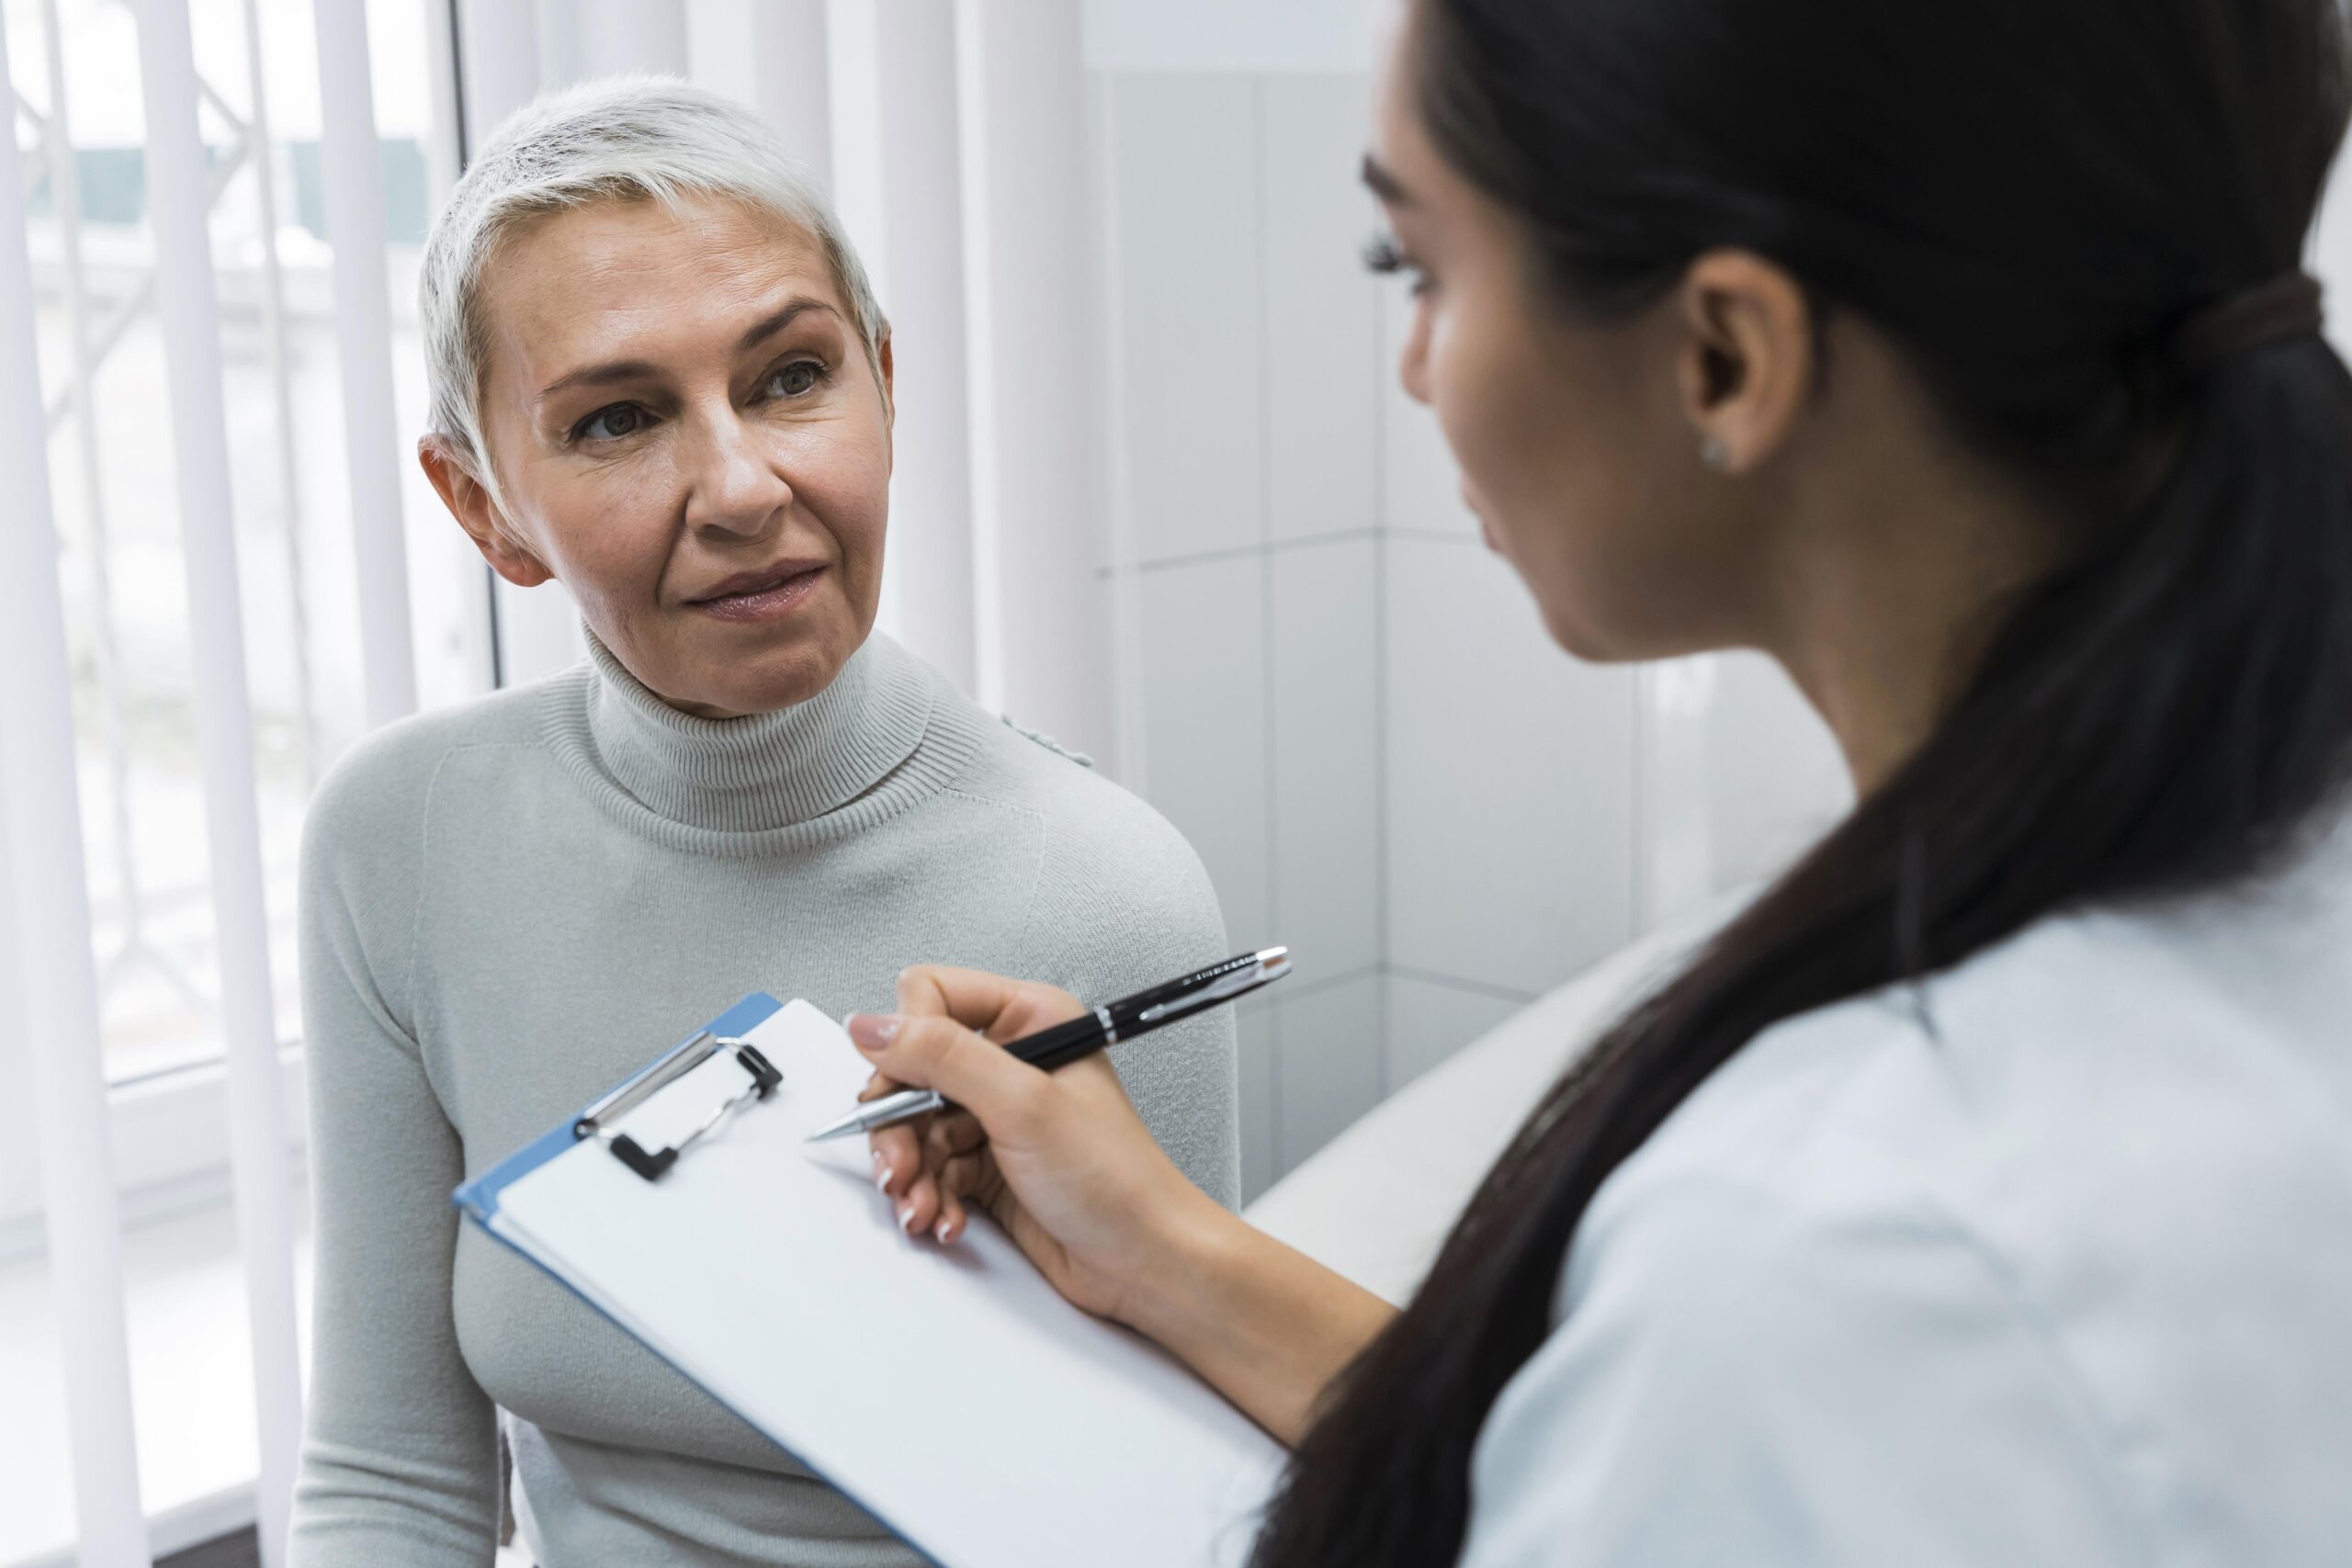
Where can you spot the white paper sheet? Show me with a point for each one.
(948, 1390)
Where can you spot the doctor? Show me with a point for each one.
(1982, 1195)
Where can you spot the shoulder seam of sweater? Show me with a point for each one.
(977, 798)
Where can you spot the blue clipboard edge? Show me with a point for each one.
(479, 1198)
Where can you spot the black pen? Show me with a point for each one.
(1108, 1025)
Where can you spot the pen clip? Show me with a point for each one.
(1272, 966)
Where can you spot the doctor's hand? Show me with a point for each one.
(1061, 1160)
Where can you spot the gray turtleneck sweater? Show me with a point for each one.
(508, 905)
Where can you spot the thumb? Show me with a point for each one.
(940, 1054)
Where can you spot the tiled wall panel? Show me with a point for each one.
(1510, 780)
(1203, 697)
(1329, 1065)
(1322, 310)
(1184, 207)
(1430, 1019)
(1256, 1029)
(1326, 750)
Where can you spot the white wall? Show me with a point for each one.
(1343, 698)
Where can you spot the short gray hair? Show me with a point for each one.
(620, 139)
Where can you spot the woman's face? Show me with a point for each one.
(689, 435)
(1576, 449)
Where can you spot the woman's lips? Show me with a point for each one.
(763, 603)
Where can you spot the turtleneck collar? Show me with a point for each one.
(761, 772)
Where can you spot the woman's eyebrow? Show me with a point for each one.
(613, 370)
(600, 375)
(776, 321)
(1383, 183)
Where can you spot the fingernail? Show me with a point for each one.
(872, 1031)
(907, 1218)
(881, 1175)
(940, 1230)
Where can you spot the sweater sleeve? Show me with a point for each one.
(1743, 1382)
(400, 1453)
(1124, 906)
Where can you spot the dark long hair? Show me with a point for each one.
(2029, 198)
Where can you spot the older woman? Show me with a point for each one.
(660, 377)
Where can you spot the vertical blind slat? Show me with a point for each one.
(923, 242)
(186, 313)
(352, 180)
(499, 50)
(853, 65)
(972, 99)
(617, 36)
(1040, 614)
(262, 151)
(41, 817)
(789, 85)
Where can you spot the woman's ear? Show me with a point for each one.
(469, 502)
(1748, 360)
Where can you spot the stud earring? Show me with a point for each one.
(1716, 454)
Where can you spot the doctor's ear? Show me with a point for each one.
(1748, 357)
(468, 501)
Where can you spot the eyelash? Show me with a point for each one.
(1384, 255)
(580, 431)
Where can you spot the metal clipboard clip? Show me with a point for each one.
(680, 1061)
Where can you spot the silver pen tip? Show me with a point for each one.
(840, 1129)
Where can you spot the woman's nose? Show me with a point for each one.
(1414, 364)
(1413, 361)
(734, 484)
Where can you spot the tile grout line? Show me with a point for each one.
(1440, 537)
(1266, 594)
(1237, 552)
(1133, 755)
(1326, 983)
(1380, 687)
(1461, 983)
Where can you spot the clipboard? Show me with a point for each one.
(685, 1205)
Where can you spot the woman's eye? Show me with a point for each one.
(610, 424)
(1383, 254)
(795, 379)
